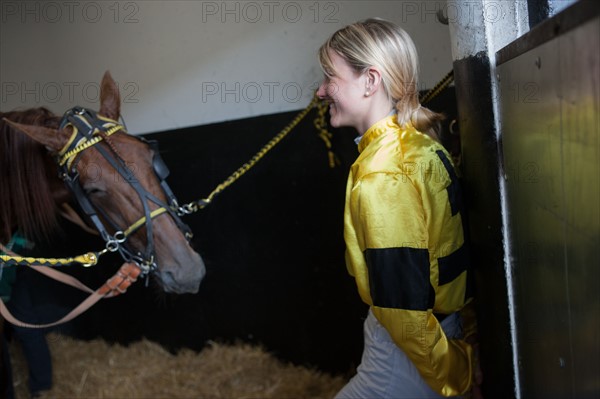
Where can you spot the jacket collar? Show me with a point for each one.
(381, 127)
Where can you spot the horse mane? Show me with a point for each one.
(26, 174)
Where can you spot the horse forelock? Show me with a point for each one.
(26, 172)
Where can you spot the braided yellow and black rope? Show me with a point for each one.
(88, 259)
(320, 124)
(196, 205)
(437, 89)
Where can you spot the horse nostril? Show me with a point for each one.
(167, 278)
(178, 282)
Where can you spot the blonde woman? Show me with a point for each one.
(403, 226)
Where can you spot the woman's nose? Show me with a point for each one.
(322, 91)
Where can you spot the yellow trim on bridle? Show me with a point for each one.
(70, 155)
(142, 220)
(69, 142)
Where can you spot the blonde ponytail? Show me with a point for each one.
(427, 121)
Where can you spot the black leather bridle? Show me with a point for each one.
(89, 129)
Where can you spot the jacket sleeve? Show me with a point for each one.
(395, 244)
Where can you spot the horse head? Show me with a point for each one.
(119, 181)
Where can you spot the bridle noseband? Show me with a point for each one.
(89, 129)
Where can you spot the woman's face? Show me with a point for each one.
(345, 90)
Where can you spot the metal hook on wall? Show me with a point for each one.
(443, 19)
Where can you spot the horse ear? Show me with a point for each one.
(110, 100)
(51, 138)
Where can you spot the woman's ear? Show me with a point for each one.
(373, 79)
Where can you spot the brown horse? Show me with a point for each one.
(117, 179)
(117, 182)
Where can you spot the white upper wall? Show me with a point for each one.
(186, 63)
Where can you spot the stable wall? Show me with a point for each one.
(549, 115)
(189, 63)
(527, 98)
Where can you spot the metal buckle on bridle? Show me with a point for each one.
(114, 243)
(186, 209)
(146, 266)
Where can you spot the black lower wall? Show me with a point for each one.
(272, 243)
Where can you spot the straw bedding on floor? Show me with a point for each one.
(96, 369)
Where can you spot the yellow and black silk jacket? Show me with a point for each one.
(405, 247)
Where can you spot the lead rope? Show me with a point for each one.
(11, 259)
(320, 123)
(92, 258)
(437, 89)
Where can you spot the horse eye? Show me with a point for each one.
(94, 191)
